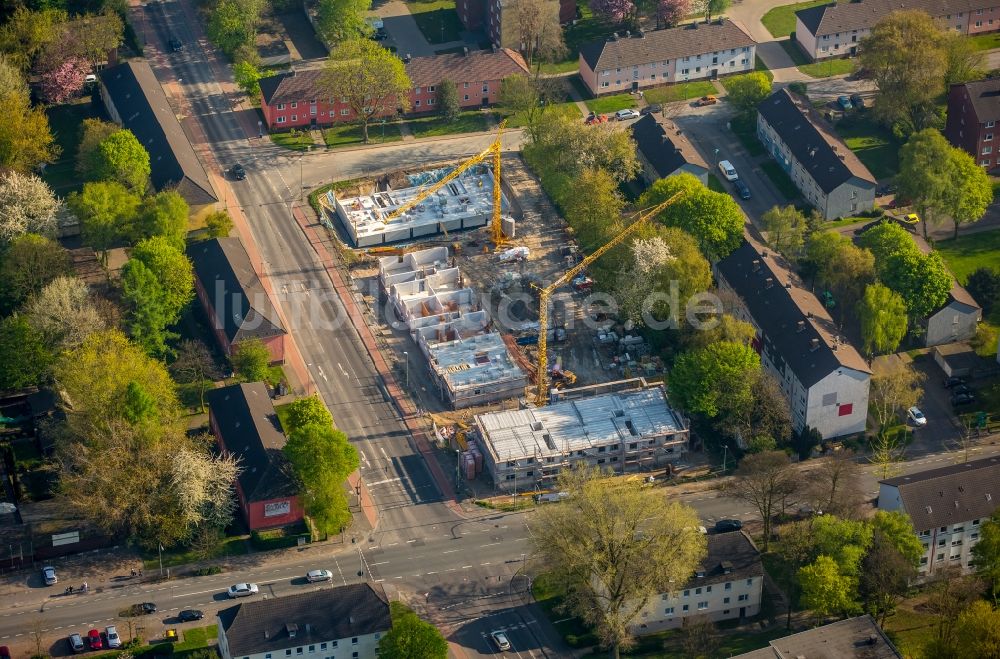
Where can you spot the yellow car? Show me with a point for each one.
(912, 218)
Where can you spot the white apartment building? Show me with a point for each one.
(331, 623)
(727, 585)
(823, 376)
(946, 506)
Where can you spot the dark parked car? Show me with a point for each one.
(952, 382)
(190, 615)
(963, 399)
(857, 101)
(742, 188)
(238, 172)
(962, 389)
(380, 34)
(727, 525)
(406, 58)
(175, 44)
(844, 102)
(75, 643)
(651, 109)
(143, 609)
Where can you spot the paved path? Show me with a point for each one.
(403, 30)
(748, 14)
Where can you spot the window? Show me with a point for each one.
(944, 529)
(345, 111)
(987, 149)
(975, 522)
(312, 648)
(465, 85)
(417, 90)
(697, 591)
(743, 598)
(685, 607)
(605, 83)
(669, 611)
(416, 103)
(288, 653)
(295, 117)
(989, 124)
(956, 557)
(334, 644)
(725, 600)
(926, 532)
(298, 650)
(729, 585)
(295, 104)
(750, 581)
(354, 655)
(744, 61)
(466, 97)
(530, 473)
(354, 641)
(702, 606)
(940, 557)
(279, 120)
(486, 88)
(708, 589)
(974, 536)
(979, 23)
(923, 560)
(605, 74)
(431, 101)
(281, 106)
(322, 646)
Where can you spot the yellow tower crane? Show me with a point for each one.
(494, 150)
(542, 374)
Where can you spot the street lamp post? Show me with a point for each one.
(725, 451)
(716, 158)
(406, 356)
(383, 130)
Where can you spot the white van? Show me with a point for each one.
(728, 170)
(551, 497)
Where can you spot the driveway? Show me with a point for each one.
(403, 31)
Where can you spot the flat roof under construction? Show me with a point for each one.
(464, 203)
(481, 359)
(577, 425)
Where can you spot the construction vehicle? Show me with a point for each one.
(493, 151)
(542, 371)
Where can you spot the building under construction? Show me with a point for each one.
(624, 426)
(468, 361)
(463, 203)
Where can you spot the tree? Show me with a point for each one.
(713, 218)
(796, 550)
(615, 545)
(886, 578)
(121, 157)
(106, 210)
(90, 36)
(834, 488)
(12, 82)
(969, 191)
(699, 637)
(714, 379)
(447, 96)
(715, 7)
(909, 80)
(411, 637)
(922, 280)
(64, 314)
(25, 138)
(29, 264)
(530, 97)
(949, 594)
(88, 156)
(748, 90)
(203, 484)
(565, 145)
(145, 299)
(27, 32)
(194, 363)
(767, 413)
(616, 11)
(840, 265)
(786, 229)
(163, 214)
(886, 452)
(728, 328)
(247, 78)
(882, 313)
(139, 406)
(844, 540)
(825, 590)
(308, 411)
(979, 628)
(964, 61)
(592, 206)
(172, 270)
(372, 79)
(27, 205)
(986, 555)
(342, 20)
(218, 224)
(63, 81)
(925, 172)
(26, 357)
(250, 360)
(536, 27)
(672, 12)
(321, 458)
(984, 286)
(233, 23)
(763, 480)
(895, 527)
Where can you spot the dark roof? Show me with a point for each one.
(476, 67)
(985, 98)
(794, 325)
(291, 86)
(249, 429)
(854, 638)
(823, 155)
(142, 106)
(671, 43)
(665, 147)
(952, 494)
(847, 16)
(734, 552)
(328, 614)
(242, 307)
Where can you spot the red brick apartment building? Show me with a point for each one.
(974, 120)
(294, 99)
(496, 18)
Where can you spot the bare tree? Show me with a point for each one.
(537, 28)
(895, 386)
(765, 481)
(834, 487)
(886, 452)
(195, 364)
(699, 637)
(64, 313)
(38, 638)
(950, 594)
(797, 548)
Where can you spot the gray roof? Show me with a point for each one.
(249, 429)
(848, 16)
(779, 306)
(734, 552)
(812, 142)
(328, 614)
(854, 638)
(664, 145)
(949, 495)
(667, 44)
(985, 98)
(142, 106)
(242, 307)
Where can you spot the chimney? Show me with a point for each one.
(812, 152)
(292, 629)
(465, 50)
(769, 282)
(801, 326)
(788, 284)
(872, 639)
(813, 345)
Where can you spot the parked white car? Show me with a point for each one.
(916, 416)
(623, 115)
(114, 640)
(728, 170)
(242, 590)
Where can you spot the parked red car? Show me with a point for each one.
(94, 640)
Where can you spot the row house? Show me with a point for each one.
(498, 18)
(836, 29)
(947, 507)
(647, 59)
(823, 376)
(854, 638)
(664, 150)
(295, 99)
(974, 120)
(827, 173)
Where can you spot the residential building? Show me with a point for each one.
(854, 638)
(955, 321)
(498, 18)
(836, 29)
(827, 173)
(727, 585)
(946, 506)
(135, 100)
(233, 297)
(244, 423)
(822, 375)
(295, 98)
(974, 119)
(647, 59)
(664, 150)
(626, 426)
(345, 622)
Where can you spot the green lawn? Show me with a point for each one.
(197, 638)
(350, 134)
(714, 184)
(549, 596)
(873, 144)
(780, 21)
(296, 141)
(681, 91)
(965, 254)
(568, 109)
(746, 131)
(65, 121)
(910, 629)
(670, 644)
(830, 67)
(235, 545)
(780, 179)
(985, 41)
(609, 104)
(437, 19)
(470, 121)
